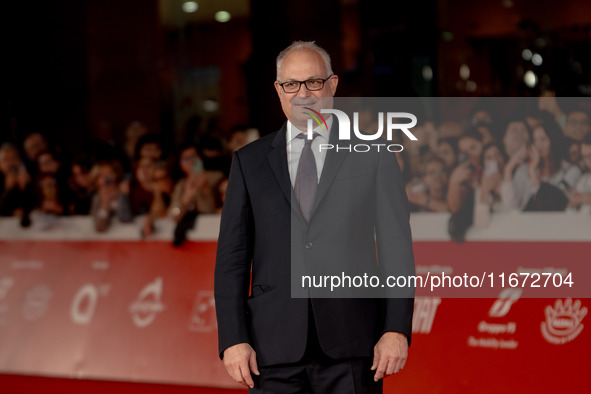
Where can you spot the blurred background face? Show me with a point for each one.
(150, 150)
(33, 145)
(574, 153)
(446, 153)
(541, 142)
(516, 136)
(9, 160)
(492, 153)
(47, 163)
(187, 159)
(142, 171)
(480, 117)
(81, 178)
(472, 147)
(435, 177)
(586, 154)
(161, 180)
(48, 186)
(577, 125)
(107, 176)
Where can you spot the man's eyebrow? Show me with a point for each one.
(307, 79)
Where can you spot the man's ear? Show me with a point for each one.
(278, 88)
(332, 84)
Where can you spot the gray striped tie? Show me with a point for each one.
(307, 177)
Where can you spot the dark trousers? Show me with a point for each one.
(317, 374)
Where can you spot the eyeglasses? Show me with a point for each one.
(311, 84)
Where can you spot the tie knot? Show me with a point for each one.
(304, 136)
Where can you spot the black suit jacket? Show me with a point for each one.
(264, 235)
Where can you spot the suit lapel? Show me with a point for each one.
(277, 159)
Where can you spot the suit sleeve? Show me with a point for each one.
(233, 261)
(394, 243)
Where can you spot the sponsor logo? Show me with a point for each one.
(502, 305)
(202, 317)
(563, 321)
(492, 343)
(497, 328)
(147, 304)
(85, 301)
(500, 308)
(36, 302)
(424, 314)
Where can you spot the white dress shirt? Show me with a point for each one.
(295, 146)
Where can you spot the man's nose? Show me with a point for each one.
(304, 92)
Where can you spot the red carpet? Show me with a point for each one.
(20, 384)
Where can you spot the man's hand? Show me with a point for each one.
(389, 354)
(240, 360)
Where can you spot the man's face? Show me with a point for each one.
(301, 65)
(577, 125)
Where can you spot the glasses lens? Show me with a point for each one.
(291, 87)
(314, 84)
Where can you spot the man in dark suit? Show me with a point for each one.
(293, 209)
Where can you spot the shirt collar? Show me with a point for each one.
(295, 131)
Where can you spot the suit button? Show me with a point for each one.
(309, 245)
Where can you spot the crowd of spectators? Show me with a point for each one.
(540, 161)
(138, 179)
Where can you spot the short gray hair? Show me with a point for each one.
(311, 45)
